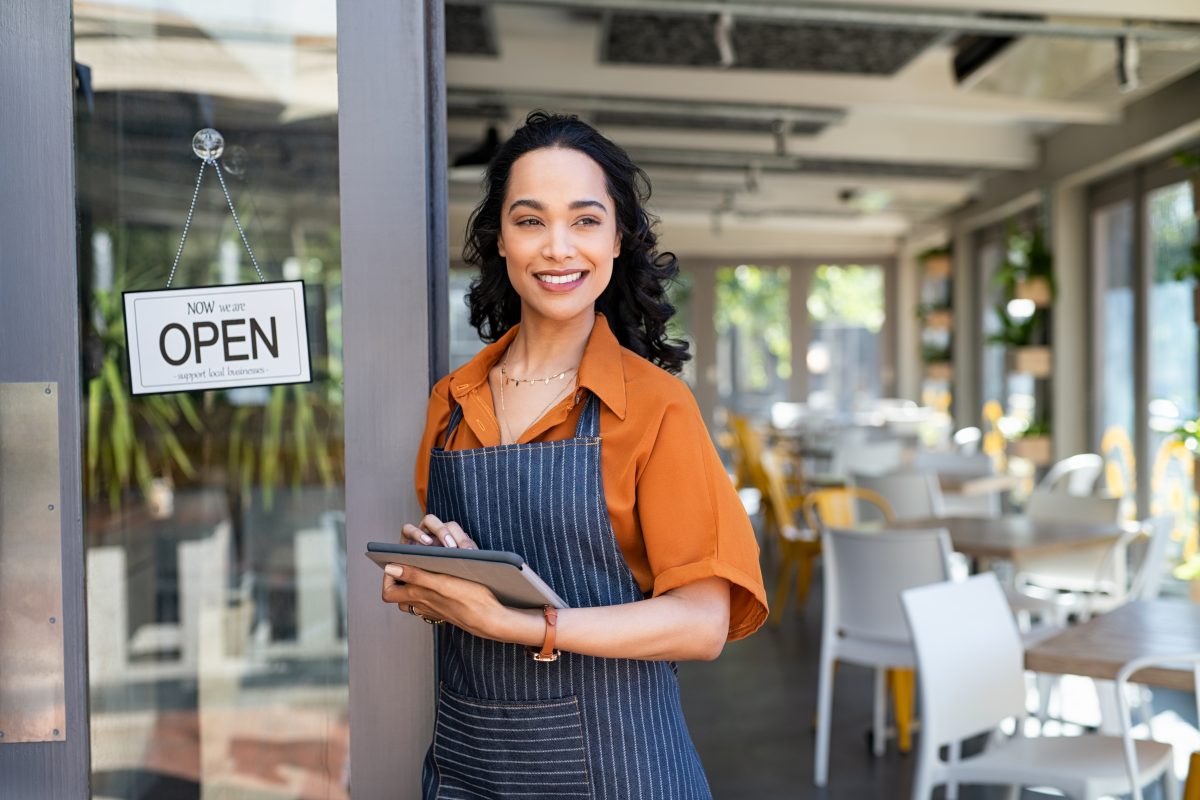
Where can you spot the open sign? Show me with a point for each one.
(217, 337)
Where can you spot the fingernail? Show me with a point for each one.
(395, 570)
(450, 541)
(426, 538)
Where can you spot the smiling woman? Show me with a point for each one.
(569, 441)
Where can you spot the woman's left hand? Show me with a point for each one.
(465, 604)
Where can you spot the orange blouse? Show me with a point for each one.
(675, 513)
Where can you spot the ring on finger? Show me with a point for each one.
(431, 620)
(411, 609)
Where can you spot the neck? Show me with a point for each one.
(544, 346)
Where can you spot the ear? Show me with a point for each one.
(617, 245)
(500, 245)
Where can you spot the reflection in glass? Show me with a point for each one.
(846, 305)
(754, 346)
(990, 256)
(1112, 255)
(214, 524)
(1171, 227)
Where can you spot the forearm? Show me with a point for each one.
(686, 624)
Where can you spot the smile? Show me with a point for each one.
(570, 277)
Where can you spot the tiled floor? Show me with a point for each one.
(751, 715)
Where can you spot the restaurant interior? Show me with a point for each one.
(940, 277)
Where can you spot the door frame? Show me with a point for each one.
(392, 149)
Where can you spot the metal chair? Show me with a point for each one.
(1076, 475)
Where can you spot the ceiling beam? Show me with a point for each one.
(906, 18)
(658, 106)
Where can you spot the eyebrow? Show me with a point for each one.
(575, 205)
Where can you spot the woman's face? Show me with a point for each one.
(558, 234)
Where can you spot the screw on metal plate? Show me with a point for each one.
(53, 620)
(1, 734)
(50, 507)
(48, 390)
(56, 731)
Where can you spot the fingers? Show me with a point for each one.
(446, 534)
(411, 534)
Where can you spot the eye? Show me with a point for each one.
(587, 221)
(529, 222)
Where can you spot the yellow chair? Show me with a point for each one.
(1191, 789)
(797, 549)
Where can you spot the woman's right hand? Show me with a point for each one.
(432, 531)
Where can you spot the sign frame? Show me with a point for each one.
(139, 388)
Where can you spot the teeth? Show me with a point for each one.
(574, 276)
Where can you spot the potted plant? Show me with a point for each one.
(1033, 443)
(1028, 269)
(936, 263)
(1022, 335)
(131, 441)
(937, 360)
(939, 316)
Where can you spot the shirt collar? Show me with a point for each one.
(601, 371)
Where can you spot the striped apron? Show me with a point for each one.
(511, 727)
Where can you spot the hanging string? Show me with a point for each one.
(205, 163)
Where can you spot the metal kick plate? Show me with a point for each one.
(32, 685)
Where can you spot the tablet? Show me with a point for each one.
(508, 576)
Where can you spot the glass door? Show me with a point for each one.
(214, 520)
(846, 356)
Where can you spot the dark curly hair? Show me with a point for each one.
(635, 300)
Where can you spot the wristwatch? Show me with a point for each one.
(548, 653)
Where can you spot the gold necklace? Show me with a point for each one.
(504, 409)
(504, 378)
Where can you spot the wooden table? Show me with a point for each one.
(976, 484)
(1099, 647)
(1013, 536)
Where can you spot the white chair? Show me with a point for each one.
(912, 494)
(1076, 475)
(867, 457)
(1132, 756)
(971, 678)
(967, 440)
(963, 467)
(863, 623)
(1076, 568)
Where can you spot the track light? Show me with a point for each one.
(1128, 60)
(722, 35)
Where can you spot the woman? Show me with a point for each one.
(568, 441)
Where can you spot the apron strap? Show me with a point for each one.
(455, 417)
(589, 421)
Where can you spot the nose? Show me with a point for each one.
(559, 245)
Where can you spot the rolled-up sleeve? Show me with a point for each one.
(692, 522)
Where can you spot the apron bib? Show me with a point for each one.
(508, 726)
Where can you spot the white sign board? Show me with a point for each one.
(217, 337)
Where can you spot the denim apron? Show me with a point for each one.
(509, 726)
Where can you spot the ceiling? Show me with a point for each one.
(776, 128)
(781, 128)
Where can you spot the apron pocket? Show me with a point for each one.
(499, 748)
